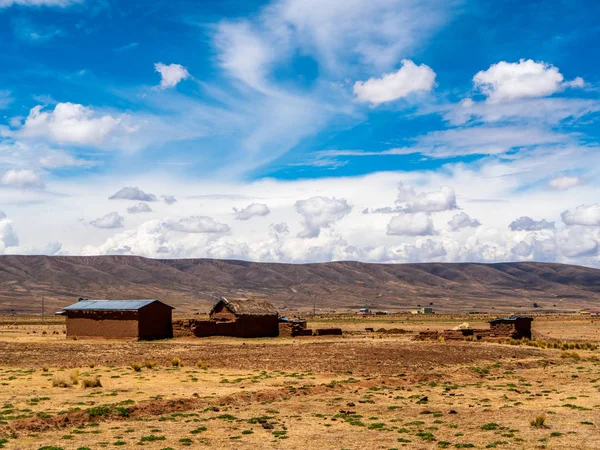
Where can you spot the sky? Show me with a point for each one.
(301, 130)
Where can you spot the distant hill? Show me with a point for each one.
(192, 284)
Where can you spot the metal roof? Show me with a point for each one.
(109, 305)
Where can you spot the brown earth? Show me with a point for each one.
(193, 284)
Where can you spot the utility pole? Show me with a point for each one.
(314, 306)
(43, 308)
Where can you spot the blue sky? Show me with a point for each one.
(301, 130)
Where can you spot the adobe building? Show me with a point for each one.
(119, 319)
(240, 318)
(516, 327)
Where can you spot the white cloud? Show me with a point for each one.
(168, 199)
(506, 81)
(70, 123)
(526, 223)
(279, 228)
(22, 179)
(585, 215)
(132, 193)
(55, 159)
(253, 210)
(109, 221)
(407, 80)
(564, 183)
(171, 74)
(443, 199)
(196, 224)
(320, 212)
(8, 235)
(57, 3)
(462, 220)
(139, 208)
(418, 224)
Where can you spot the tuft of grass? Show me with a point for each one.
(45, 369)
(92, 364)
(150, 364)
(202, 365)
(572, 355)
(176, 362)
(137, 367)
(490, 426)
(91, 382)
(539, 422)
(61, 380)
(74, 376)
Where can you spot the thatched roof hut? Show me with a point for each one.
(241, 318)
(245, 307)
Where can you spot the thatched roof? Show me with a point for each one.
(250, 307)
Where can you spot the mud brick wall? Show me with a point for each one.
(103, 324)
(184, 328)
(292, 329)
(329, 332)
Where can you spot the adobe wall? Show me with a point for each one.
(292, 329)
(110, 325)
(155, 322)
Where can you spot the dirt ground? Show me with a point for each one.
(358, 391)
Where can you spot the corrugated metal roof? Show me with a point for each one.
(109, 305)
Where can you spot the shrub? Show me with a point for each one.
(572, 355)
(91, 382)
(150, 364)
(176, 362)
(136, 367)
(202, 365)
(92, 364)
(74, 376)
(539, 422)
(61, 380)
(490, 426)
(45, 369)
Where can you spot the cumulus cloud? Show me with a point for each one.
(279, 228)
(196, 224)
(8, 235)
(506, 81)
(253, 210)
(171, 74)
(418, 224)
(407, 80)
(22, 179)
(585, 215)
(109, 221)
(133, 193)
(409, 201)
(526, 223)
(564, 183)
(320, 212)
(141, 207)
(71, 123)
(462, 220)
(168, 199)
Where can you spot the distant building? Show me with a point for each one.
(119, 319)
(516, 327)
(426, 310)
(240, 318)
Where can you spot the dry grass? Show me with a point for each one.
(176, 362)
(91, 382)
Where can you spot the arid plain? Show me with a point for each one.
(375, 390)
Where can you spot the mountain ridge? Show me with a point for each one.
(193, 284)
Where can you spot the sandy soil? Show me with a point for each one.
(368, 391)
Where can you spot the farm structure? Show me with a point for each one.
(512, 327)
(119, 319)
(239, 318)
